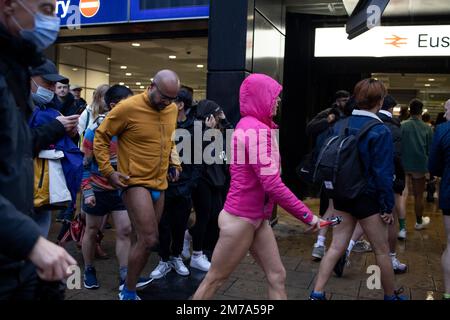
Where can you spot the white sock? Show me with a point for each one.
(197, 253)
(320, 241)
(351, 245)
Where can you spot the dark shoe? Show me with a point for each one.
(90, 279)
(317, 296)
(340, 265)
(397, 296)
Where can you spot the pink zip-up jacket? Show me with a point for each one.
(255, 161)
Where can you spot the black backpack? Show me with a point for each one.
(339, 168)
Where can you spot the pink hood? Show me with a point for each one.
(257, 96)
(255, 179)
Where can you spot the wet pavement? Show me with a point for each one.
(421, 251)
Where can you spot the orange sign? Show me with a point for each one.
(395, 41)
(89, 8)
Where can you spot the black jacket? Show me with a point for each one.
(191, 171)
(320, 123)
(394, 125)
(19, 144)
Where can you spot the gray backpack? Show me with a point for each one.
(339, 169)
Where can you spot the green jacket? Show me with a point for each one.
(416, 145)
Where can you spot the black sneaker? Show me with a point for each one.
(340, 265)
(90, 279)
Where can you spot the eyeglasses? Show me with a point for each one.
(163, 96)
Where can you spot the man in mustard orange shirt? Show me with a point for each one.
(144, 125)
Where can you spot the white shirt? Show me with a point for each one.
(366, 114)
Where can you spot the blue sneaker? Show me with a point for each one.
(142, 282)
(317, 296)
(90, 278)
(396, 296)
(126, 295)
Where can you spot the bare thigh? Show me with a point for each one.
(141, 211)
(265, 250)
(235, 239)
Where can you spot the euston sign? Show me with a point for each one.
(401, 41)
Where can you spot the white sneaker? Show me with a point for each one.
(178, 265)
(161, 270)
(200, 262)
(186, 253)
(424, 224)
(402, 234)
(399, 267)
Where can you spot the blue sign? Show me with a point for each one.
(91, 12)
(151, 10)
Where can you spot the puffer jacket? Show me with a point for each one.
(256, 183)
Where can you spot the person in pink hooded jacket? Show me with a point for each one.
(255, 186)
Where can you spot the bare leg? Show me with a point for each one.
(123, 231)
(236, 237)
(377, 233)
(265, 251)
(145, 223)
(393, 227)
(357, 233)
(341, 236)
(418, 190)
(93, 224)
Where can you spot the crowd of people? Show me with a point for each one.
(120, 153)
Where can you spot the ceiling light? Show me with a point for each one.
(200, 66)
(128, 74)
(138, 83)
(425, 110)
(151, 79)
(136, 44)
(142, 87)
(75, 69)
(172, 57)
(121, 83)
(431, 79)
(109, 59)
(123, 67)
(427, 85)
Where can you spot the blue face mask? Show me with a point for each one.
(45, 32)
(42, 95)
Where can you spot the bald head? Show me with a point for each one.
(168, 81)
(164, 89)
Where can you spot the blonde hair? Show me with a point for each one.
(98, 104)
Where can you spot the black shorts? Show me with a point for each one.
(361, 207)
(446, 212)
(324, 203)
(105, 202)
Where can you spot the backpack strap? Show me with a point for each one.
(367, 127)
(345, 126)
